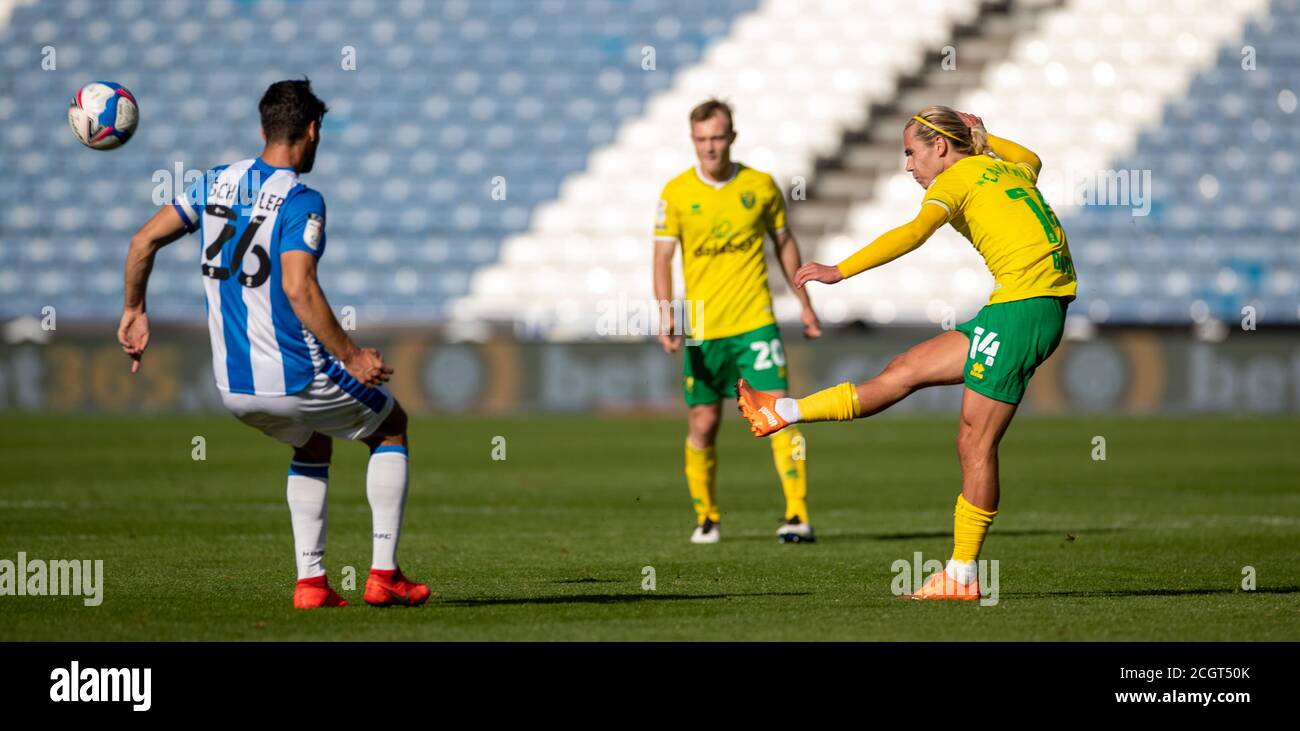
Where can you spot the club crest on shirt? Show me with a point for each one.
(311, 232)
(747, 199)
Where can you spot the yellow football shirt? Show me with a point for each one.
(998, 208)
(721, 227)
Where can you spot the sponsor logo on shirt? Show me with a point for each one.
(731, 247)
(312, 231)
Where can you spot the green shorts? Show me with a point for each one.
(1008, 341)
(710, 369)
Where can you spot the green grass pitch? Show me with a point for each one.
(550, 543)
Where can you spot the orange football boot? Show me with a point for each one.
(760, 409)
(391, 588)
(942, 586)
(314, 593)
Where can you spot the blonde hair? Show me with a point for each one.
(966, 140)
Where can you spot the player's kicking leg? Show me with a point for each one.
(308, 484)
(387, 478)
(935, 362)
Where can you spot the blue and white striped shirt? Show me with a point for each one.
(248, 213)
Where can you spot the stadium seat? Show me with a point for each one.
(444, 97)
(1186, 119)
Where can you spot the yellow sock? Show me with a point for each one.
(788, 450)
(701, 476)
(838, 403)
(969, 526)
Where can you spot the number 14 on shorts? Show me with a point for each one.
(984, 343)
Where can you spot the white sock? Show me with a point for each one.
(788, 409)
(386, 479)
(962, 571)
(306, 490)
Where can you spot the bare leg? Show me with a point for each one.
(703, 425)
(318, 450)
(936, 362)
(983, 422)
(391, 433)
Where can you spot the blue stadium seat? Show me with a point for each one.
(1230, 128)
(451, 97)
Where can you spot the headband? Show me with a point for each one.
(936, 129)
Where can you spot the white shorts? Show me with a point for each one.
(337, 407)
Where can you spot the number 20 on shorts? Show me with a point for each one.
(768, 354)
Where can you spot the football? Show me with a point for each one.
(103, 115)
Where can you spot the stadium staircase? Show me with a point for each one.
(564, 108)
(1080, 90)
(849, 174)
(798, 72)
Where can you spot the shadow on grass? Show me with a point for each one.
(607, 598)
(1065, 535)
(1105, 593)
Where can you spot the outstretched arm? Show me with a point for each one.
(888, 247)
(164, 227)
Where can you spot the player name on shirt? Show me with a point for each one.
(250, 214)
